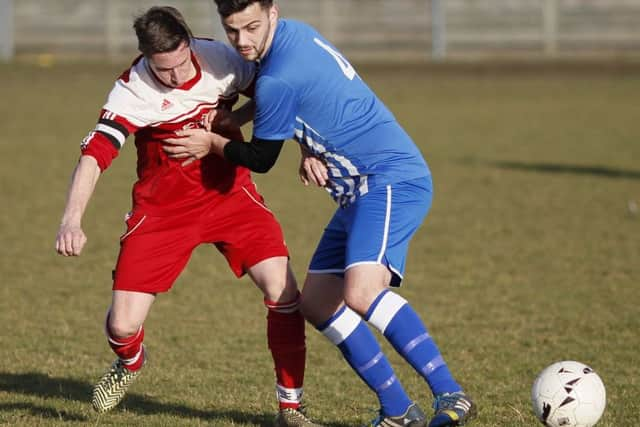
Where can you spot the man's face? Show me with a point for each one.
(173, 68)
(251, 30)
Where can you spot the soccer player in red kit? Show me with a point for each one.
(181, 203)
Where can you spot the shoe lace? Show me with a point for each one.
(445, 401)
(117, 373)
(300, 412)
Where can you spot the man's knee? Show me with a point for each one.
(363, 284)
(360, 297)
(317, 310)
(121, 327)
(356, 302)
(275, 279)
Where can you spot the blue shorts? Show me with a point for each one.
(375, 229)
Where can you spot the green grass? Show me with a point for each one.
(530, 255)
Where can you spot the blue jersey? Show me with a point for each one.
(306, 90)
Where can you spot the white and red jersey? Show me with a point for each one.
(140, 104)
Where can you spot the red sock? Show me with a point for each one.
(129, 349)
(285, 335)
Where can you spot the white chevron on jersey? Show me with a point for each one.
(144, 101)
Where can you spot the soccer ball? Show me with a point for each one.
(568, 394)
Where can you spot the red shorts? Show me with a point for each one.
(155, 249)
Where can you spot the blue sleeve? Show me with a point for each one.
(276, 107)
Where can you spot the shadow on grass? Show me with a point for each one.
(569, 169)
(41, 411)
(44, 386)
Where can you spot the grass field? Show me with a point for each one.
(530, 255)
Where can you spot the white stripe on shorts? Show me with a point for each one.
(387, 219)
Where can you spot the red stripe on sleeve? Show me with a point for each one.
(99, 147)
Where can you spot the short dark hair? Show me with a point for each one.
(229, 7)
(161, 29)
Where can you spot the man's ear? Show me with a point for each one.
(274, 13)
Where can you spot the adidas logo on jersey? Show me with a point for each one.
(166, 104)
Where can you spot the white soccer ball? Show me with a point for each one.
(568, 394)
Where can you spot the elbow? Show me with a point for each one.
(263, 167)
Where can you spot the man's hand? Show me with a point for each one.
(219, 120)
(191, 144)
(312, 169)
(70, 240)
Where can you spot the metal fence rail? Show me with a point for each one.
(397, 30)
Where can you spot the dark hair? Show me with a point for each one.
(161, 29)
(229, 7)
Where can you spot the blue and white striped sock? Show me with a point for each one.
(395, 318)
(361, 350)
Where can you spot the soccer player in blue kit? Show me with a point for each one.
(306, 90)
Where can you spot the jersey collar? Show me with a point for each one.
(189, 83)
(280, 24)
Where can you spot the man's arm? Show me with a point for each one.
(312, 169)
(197, 146)
(71, 239)
(245, 113)
(220, 119)
(258, 155)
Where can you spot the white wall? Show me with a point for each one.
(6, 30)
(363, 29)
